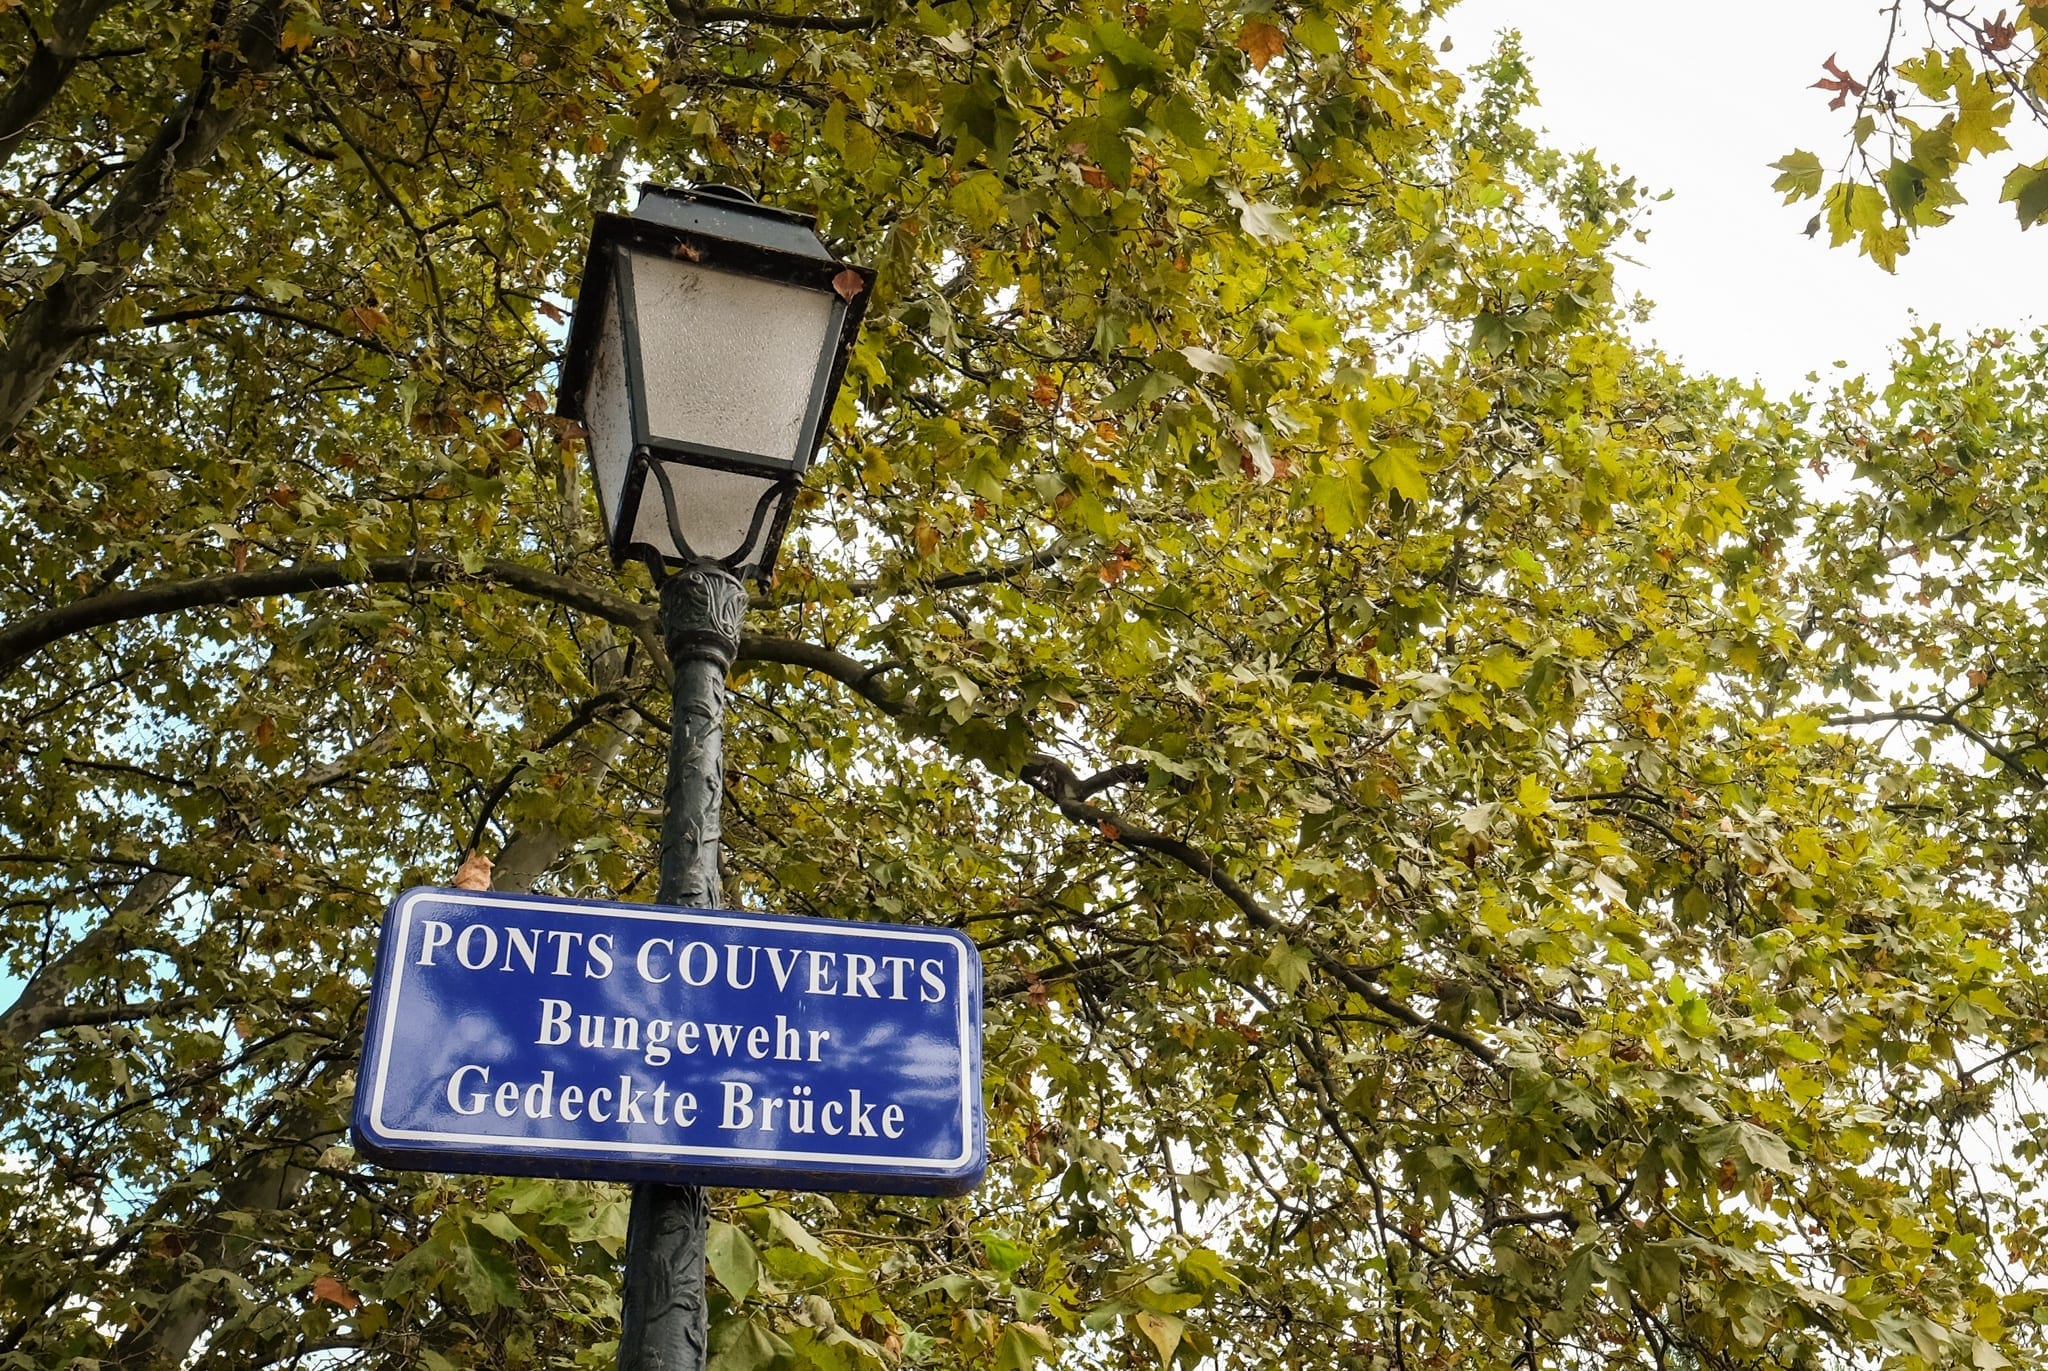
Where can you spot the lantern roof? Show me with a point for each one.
(724, 212)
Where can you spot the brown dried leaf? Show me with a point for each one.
(1840, 82)
(334, 1292)
(1115, 568)
(1261, 41)
(849, 283)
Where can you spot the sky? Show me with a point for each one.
(1699, 100)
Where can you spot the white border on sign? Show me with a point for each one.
(389, 1027)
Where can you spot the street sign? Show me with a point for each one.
(530, 1036)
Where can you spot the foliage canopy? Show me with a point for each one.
(1942, 90)
(1481, 859)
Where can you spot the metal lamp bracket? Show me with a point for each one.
(769, 497)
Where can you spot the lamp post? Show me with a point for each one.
(709, 338)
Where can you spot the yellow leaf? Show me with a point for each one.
(1979, 115)
(124, 314)
(1502, 668)
(299, 33)
(1163, 1332)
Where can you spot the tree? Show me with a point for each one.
(1940, 94)
(1390, 736)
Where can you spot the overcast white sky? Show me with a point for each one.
(1698, 99)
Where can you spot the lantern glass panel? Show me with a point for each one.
(714, 508)
(729, 362)
(608, 413)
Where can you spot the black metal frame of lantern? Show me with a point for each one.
(779, 283)
(653, 402)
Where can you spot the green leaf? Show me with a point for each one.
(1022, 1346)
(1288, 966)
(1005, 1254)
(500, 1225)
(979, 200)
(731, 1256)
(1396, 468)
(1763, 1147)
(1904, 185)
(1579, 1272)
(1133, 58)
(2026, 190)
(1340, 497)
(1491, 335)
(783, 1227)
(1205, 1270)
(1853, 209)
(1799, 176)
(123, 314)
(746, 1344)
(484, 1275)
(1142, 390)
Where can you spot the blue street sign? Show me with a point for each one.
(530, 1036)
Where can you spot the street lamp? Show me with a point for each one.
(709, 338)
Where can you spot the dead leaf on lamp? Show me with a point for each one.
(474, 873)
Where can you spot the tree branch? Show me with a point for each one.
(1947, 718)
(250, 307)
(45, 336)
(857, 676)
(960, 580)
(1970, 1074)
(733, 14)
(1056, 781)
(42, 1005)
(1348, 680)
(584, 715)
(49, 67)
(1123, 773)
(25, 637)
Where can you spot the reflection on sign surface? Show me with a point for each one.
(536, 1036)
